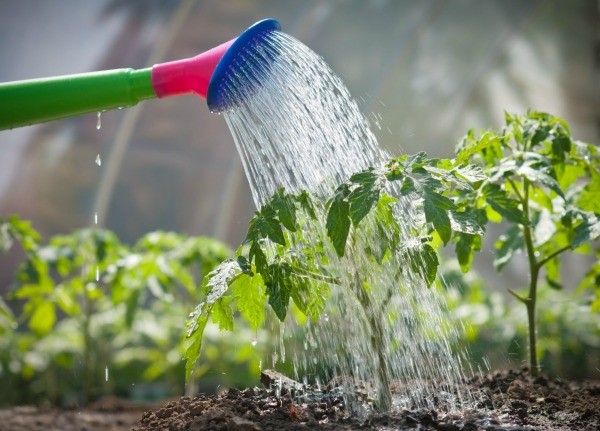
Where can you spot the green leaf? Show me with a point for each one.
(65, 301)
(386, 235)
(217, 281)
(309, 292)
(553, 273)
(23, 231)
(465, 246)
(588, 230)
(259, 258)
(197, 324)
(278, 289)
(269, 226)
(338, 220)
(589, 198)
(43, 317)
(472, 146)
(222, 314)
(540, 175)
(131, 307)
(506, 246)
(423, 260)
(561, 146)
(250, 294)
(504, 205)
(306, 203)
(436, 207)
(472, 173)
(364, 197)
(413, 162)
(6, 240)
(465, 222)
(286, 209)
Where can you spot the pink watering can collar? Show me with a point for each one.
(205, 73)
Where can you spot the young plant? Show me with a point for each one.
(297, 243)
(545, 186)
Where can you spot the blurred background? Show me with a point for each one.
(431, 69)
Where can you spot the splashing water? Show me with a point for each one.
(300, 129)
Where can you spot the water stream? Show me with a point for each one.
(301, 129)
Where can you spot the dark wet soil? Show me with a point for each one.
(507, 400)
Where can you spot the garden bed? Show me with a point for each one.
(508, 400)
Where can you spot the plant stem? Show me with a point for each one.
(533, 280)
(553, 255)
(378, 344)
(87, 350)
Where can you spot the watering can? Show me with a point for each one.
(23, 103)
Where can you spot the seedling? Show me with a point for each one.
(545, 186)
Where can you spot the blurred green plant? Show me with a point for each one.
(544, 185)
(94, 306)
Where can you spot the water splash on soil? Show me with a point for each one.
(301, 129)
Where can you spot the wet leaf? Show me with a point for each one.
(507, 245)
(286, 209)
(422, 259)
(465, 246)
(586, 231)
(338, 220)
(250, 294)
(503, 204)
(217, 281)
(222, 314)
(278, 289)
(465, 222)
(365, 196)
(436, 207)
(472, 146)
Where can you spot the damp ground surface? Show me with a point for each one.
(507, 400)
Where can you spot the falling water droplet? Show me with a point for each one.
(260, 365)
(95, 218)
(97, 273)
(99, 122)
(98, 160)
(326, 317)
(106, 374)
(254, 341)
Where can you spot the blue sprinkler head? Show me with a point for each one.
(234, 61)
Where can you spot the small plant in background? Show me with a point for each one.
(94, 305)
(545, 186)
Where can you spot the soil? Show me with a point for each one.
(507, 400)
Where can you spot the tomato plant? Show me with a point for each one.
(531, 174)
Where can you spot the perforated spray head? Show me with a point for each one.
(207, 74)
